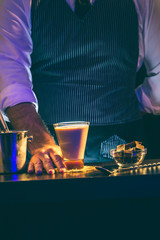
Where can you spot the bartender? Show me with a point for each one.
(67, 60)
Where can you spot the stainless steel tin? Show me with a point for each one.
(13, 150)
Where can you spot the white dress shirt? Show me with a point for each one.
(16, 48)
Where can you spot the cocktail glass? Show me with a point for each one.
(72, 138)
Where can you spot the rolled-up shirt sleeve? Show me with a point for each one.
(15, 50)
(148, 93)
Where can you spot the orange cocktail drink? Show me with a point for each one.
(72, 138)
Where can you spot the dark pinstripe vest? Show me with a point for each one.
(85, 69)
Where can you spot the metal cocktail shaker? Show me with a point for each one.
(13, 150)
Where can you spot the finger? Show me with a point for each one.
(30, 167)
(38, 166)
(47, 163)
(58, 161)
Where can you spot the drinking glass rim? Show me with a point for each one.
(70, 123)
(13, 132)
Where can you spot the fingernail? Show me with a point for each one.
(62, 170)
(51, 171)
(39, 172)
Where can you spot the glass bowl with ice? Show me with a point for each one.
(129, 155)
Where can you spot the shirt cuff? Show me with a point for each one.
(15, 94)
(145, 103)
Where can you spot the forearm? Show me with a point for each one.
(24, 117)
(148, 93)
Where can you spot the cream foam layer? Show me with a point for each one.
(71, 127)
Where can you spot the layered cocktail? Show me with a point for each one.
(72, 138)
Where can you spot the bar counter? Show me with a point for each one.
(91, 201)
(90, 184)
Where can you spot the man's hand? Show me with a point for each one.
(47, 157)
(45, 153)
